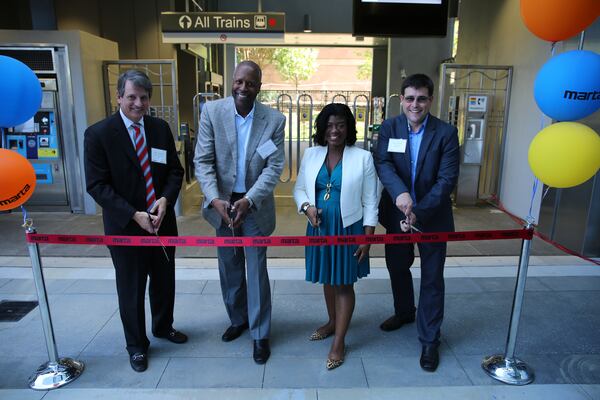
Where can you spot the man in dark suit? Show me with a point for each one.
(417, 160)
(133, 172)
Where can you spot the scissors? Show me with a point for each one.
(318, 227)
(405, 226)
(164, 249)
(231, 212)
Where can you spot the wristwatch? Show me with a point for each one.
(304, 208)
(249, 201)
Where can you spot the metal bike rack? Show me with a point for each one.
(389, 102)
(367, 109)
(290, 132)
(339, 95)
(310, 127)
(196, 105)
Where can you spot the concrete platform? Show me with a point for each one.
(559, 336)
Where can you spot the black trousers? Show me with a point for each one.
(430, 313)
(133, 267)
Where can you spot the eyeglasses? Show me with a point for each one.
(420, 99)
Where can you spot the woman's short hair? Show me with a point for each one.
(339, 110)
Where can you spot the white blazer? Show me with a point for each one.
(360, 185)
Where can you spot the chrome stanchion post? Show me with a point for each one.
(507, 368)
(56, 372)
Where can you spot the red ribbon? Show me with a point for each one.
(280, 241)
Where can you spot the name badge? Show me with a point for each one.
(266, 149)
(159, 156)
(397, 146)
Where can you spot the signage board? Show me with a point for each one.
(222, 27)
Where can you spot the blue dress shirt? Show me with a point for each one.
(414, 142)
(243, 127)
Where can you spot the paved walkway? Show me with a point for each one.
(559, 335)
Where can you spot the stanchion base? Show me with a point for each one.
(54, 375)
(511, 371)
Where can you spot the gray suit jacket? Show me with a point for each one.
(216, 155)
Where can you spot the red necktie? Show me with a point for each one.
(142, 153)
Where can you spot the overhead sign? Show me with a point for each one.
(222, 27)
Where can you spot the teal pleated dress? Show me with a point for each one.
(333, 265)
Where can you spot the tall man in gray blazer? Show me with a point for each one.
(239, 158)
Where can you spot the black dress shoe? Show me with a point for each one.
(138, 361)
(262, 351)
(396, 322)
(174, 336)
(234, 332)
(430, 358)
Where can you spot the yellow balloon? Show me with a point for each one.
(565, 154)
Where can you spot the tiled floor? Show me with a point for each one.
(558, 337)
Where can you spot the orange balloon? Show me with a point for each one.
(555, 20)
(17, 179)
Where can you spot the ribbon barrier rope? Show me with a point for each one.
(503, 367)
(278, 241)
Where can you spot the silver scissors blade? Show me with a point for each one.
(164, 249)
(231, 213)
(414, 228)
(405, 222)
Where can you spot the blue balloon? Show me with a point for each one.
(567, 87)
(20, 92)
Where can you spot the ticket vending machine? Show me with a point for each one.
(40, 141)
(472, 148)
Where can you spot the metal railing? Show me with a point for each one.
(290, 131)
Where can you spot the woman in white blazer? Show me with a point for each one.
(337, 190)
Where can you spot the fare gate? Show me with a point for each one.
(49, 138)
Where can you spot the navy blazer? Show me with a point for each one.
(435, 179)
(114, 176)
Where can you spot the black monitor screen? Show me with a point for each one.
(400, 18)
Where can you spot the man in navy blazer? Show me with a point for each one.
(417, 158)
(133, 172)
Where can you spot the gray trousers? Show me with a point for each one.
(247, 297)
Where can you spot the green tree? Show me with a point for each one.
(295, 64)
(365, 70)
(263, 56)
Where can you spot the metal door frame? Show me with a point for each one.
(172, 117)
(509, 72)
(144, 66)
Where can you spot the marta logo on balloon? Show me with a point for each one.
(16, 197)
(574, 95)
